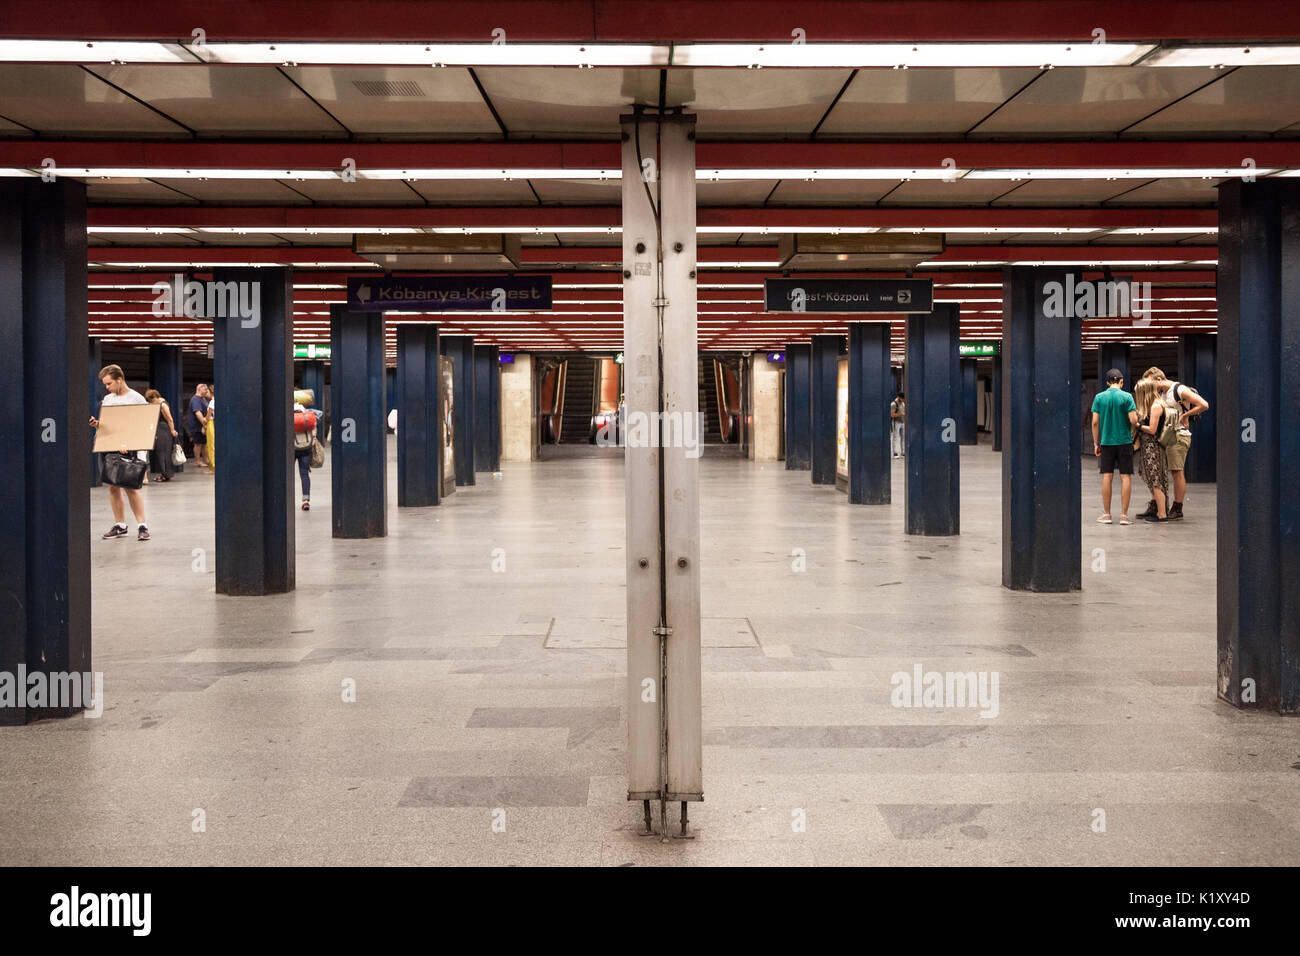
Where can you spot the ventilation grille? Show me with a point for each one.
(388, 88)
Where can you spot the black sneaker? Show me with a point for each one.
(1154, 518)
(144, 533)
(1176, 511)
(116, 532)
(1152, 508)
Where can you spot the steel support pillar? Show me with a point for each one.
(871, 389)
(967, 427)
(665, 754)
(1114, 355)
(1042, 442)
(359, 450)
(166, 371)
(44, 442)
(932, 487)
(460, 349)
(1196, 361)
(487, 408)
(419, 416)
(253, 429)
(313, 379)
(997, 402)
(1258, 454)
(798, 407)
(824, 380)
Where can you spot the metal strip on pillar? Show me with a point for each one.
(665, 754)
(931, 468)
(870, 394)
(359, 449)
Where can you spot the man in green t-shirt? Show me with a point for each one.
(1114, 415)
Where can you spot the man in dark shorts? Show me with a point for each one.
(1114, 415)
(196, 419)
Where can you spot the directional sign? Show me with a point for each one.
(849, 295)
(977, 349)
(441, 293)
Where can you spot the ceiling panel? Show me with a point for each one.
(69, 101)
(579, 190)
(824, 191)
(487, 191)
(397, 102)
(237, 190)
(735, 103)
(132, 192)
(907, 102)
(365, 191)
(578, 103)
(939, 193)
(1093, 100)
(13, 129)
(1061, 191)
(1253, 99)
(1176, 191)
(732, 192)
(225, 100)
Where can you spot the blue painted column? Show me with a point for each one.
(1114, 355)
(997, 401)
(253, 431)
(96, 396)
(871, 389)
(1258, 451)
(359, 451)
(932, 487)
(419, 416)
(45, 531)
(824, 380)
(1042, 443)
(967, 428)
(460, 349)
(1196, 361)
(313, 378)
(798, 407)
(487, 408)
(390, 389)
(165, 374)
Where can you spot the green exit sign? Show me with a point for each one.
(977, 349)
(311, 351)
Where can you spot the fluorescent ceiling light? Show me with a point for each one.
(499, 174)
(304, 230)
(1191, 172)
(903, 55)
(1239, 55)
(886, 173)
(139, 230)
(1004, 230)
(151, 172)
(91, 51)
(1165, 230)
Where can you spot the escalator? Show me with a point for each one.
(709, 402)
(579, 401)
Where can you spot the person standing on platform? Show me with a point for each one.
(897, 415)
(196, 423)
(209, 429)
(120, 394)
(1189, 404)
(1114, 414)
(1151, 454)
(160, 459)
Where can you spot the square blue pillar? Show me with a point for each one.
(824, 381)
(313, 379)
(44, 438)
(932, 487)
(390, 390)
(1042, 444)
(967, 429)
(1258, 448)
(253, 431)
(487, 408)
(1114, 355)
(997, 402)
(166, 371)
(359, 449)
(419, 416)
(1196, 361)
(460, 349)
(798, 407)
(96, 396)
(871, 389)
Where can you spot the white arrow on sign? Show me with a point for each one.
(363, 293)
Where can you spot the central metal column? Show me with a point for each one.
(665, 751)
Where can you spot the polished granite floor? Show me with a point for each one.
(489, 696)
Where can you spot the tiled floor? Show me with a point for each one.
(487, 725)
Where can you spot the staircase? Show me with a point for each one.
(579, 401)
(709, 403)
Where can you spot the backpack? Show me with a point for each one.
(1168, 436)
(304, 430)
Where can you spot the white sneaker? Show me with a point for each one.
(1125, 519)
(1105, 519)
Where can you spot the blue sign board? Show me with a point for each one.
(849, 295)
(440, 293)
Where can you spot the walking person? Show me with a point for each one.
(1114, 414)
(160, 458)
(196, 423)
(304, 433)
(1151, 454)
(897, 416)
(120, 394)
(1189, 404)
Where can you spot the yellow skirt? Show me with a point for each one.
(211, 452)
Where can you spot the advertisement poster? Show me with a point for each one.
(842, 426)
(446, 367)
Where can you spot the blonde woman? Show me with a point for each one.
(1151, 454)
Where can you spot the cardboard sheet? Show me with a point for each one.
(132, 427)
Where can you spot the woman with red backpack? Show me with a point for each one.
(304, 436)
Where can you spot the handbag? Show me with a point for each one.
(178, 454)
(1169, 428)
(317, 453)
(125, 471)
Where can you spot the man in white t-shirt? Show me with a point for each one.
(120, 394)
(897, 415)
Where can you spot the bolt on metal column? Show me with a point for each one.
(663, 436)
